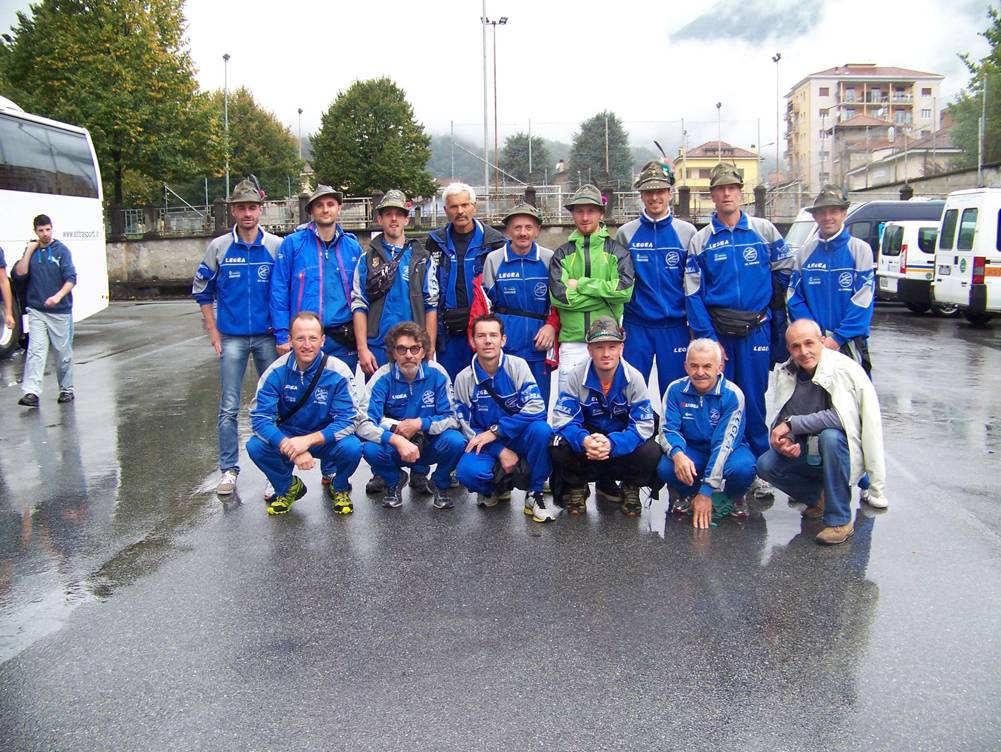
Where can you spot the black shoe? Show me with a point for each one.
(29, 400)
(609, 491)
(375, 486)
(65, 397)
(419, 483)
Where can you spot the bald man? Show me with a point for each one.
(827, 434)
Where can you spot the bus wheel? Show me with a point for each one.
(917, 307)
(10, 339)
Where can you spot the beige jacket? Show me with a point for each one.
(854, 399)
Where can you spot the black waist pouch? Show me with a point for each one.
(731, 322)
(455, 321)
(343, 334)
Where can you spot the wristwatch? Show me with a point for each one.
(495, 430)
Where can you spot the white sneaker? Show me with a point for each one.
(227, 483)
(762, 489)
(541, 512)
(879, 502)
(269, 492)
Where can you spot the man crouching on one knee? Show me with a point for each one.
(705, 451)
(827, 434)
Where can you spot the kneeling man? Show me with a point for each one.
(703, 437)
(305, 409)
(502, 413)
(409, 417)
(605, 427)
(827, 434)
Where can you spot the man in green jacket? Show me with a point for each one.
(590, 275)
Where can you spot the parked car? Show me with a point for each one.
(968, 254)
(907, 264)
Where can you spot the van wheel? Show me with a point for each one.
(945, 310)
(917, 307)
(977, 319)
(10, 339)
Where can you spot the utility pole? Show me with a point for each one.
(778, 113)
(719, 133)
(225, 115)
(486, 153)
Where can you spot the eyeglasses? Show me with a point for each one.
(413, 349)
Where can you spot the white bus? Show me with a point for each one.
(47, 167)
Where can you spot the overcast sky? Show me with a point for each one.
(560, 62)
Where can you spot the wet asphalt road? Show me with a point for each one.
(139, 612)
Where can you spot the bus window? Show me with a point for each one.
(36, 158)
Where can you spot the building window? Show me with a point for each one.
(926, 114)
(902, 117)
(849, 95)
(824, 112)
(849, 113)
(825, 91)
(926, 92)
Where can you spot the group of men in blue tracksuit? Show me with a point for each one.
(482, 303)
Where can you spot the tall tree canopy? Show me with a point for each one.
(369, 140)
(968, 106)
(259, 143)
(121, 69)
(587, 155)
(514, 158)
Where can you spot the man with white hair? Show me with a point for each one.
(827, 434)
(459, 250)
(702, 433)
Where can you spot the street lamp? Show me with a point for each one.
(300, 134)
(225, 115)
(499, 22)
(778, 110)
(719, 133)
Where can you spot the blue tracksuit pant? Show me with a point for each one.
(476, 471)
(747, 366)
(738, 472)
(341, 458)
(668, 343)
(443, 450)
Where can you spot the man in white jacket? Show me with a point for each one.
(827, 434)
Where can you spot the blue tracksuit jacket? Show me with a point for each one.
(455, 280)
(625, 416)
(49, 269)
(516, 387)
(712, 424)
(509, 283)
(659, 248)
(390, 395)
(311, 275)
(331, 409)
(732, 268)
(237, 276)
(833, 283)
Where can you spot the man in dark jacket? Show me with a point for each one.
(458, 249)
(48, 265)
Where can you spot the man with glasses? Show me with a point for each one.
(306, 409)
(408, 418)
(235, 276)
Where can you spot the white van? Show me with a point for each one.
(907, 265)
(968, 254)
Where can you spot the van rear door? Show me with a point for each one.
(954, 258)
(888, 268)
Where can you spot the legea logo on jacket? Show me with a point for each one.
(321, 395)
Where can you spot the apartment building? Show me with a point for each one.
(834, 116)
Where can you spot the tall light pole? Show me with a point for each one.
(778, 111)
(719, 133)
(499, 22)
(486, 160)
(300, 134)
(225, 115)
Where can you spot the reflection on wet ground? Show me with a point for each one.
(476, 628)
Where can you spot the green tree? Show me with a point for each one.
(587, 155)
(968, 105)
(514, 158)
(259, 143)
(121, 69)
(368, 140)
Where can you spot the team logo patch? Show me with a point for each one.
(376, 261)
(714, 417)
(541, 289)
(427, 399)
(673, 258)
(750, 255)
(321, 395)
(845, 280)
(264, 271)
